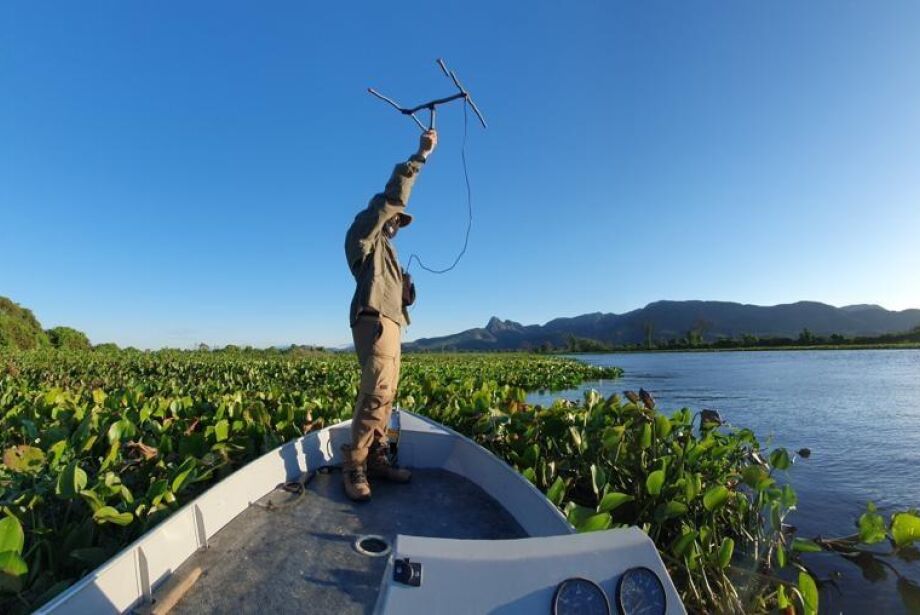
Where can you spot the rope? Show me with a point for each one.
(469, 205)
(298, 488)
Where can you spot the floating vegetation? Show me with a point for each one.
(710, 496)
(100, 446)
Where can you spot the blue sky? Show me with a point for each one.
(172, 173)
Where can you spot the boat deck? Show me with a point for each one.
(301, 557)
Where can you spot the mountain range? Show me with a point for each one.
(664, 320)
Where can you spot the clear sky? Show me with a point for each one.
(176, 172)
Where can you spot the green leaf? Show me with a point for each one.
(671, 509)
(782, 602)
(779, 459)
(715, 497)
(654, 482)
(613, 500)
(692, 486)
(126, 494)
(594, 523)
(753, 475)
(120, 430)
(612, 436)
(871, 526)
(556, 491)
(108, 514)
(79, 536)
(775, 518)
(88, 444)
(803, 545)
(12, 571)
(192, 445)
(114, 433)
(725, 552)
(683, 543)
(99, 396)
(57, 450)
(645, 440)
(809, 593)
(598, 479)
(765, 484)
(662, 426)
(157, 491)
(789, 497)
(577, 514)
(592, 398)
(222, 430)
(741, 501)
(531, 455)
(24, 459)
(576, 437)
(92, 498)
(12, 537)
(905, 528)
(530, 475)
(71, 481)
(111, 456)
(181, 480)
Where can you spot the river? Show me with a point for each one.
(857, 410)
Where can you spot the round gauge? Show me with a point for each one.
(640, 592)
(580, 596)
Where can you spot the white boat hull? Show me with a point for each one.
(131, 577)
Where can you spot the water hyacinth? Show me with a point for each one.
(98, 447)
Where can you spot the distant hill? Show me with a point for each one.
(666, 320)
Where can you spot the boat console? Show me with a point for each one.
(614, 571)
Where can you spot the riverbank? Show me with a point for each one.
(906, 346)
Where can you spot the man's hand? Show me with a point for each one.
(427, 142)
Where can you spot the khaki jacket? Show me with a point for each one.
(371, 257)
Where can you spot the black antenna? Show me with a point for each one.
(432, 105)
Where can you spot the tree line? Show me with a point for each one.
(19, 329)
(693, 340)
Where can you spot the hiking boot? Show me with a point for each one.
(379, 466)
(354, 474)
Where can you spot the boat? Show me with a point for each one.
(468, 534)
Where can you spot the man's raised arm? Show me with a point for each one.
(403, 178)
(391, 202)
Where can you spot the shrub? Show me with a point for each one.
(66, 338)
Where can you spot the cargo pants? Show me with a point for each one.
(377, 343)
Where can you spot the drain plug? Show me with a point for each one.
(372, 545)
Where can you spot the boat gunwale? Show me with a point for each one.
(190, 513)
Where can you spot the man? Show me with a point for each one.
(378, 312)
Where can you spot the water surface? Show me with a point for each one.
(857, 410)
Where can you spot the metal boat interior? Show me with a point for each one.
(468, 534)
